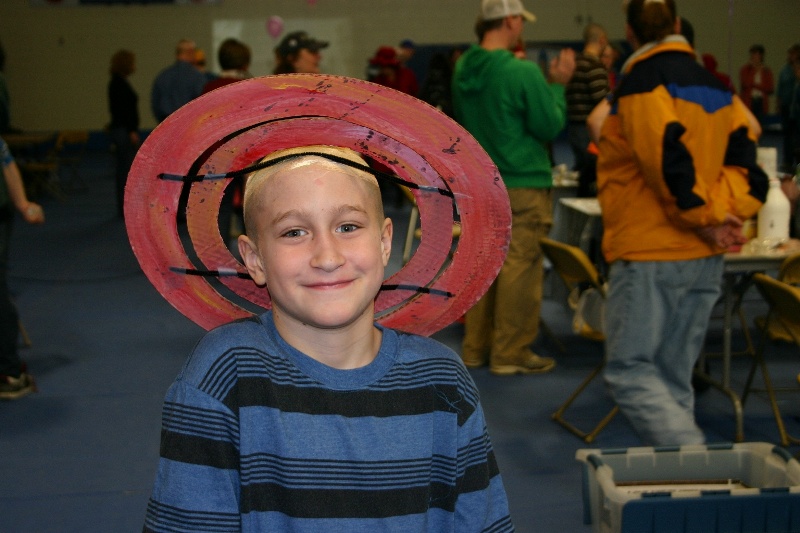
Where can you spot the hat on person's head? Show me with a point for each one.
(407, 43)
(184, 167)
(497, 9)
(295, 41)
(386, 56)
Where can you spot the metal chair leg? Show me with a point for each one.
(412, 227)
(586, 436)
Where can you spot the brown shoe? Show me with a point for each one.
(14, 388)
(474, 362)
(533, 365)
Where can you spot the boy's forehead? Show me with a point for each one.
(303, 160)
(312, 165)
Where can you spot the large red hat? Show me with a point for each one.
(191, 157)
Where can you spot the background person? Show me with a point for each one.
(437, 87)
(233, 57)
(387, 71)
(756, 81)
(587, 87)
(794, 114)
(711, 64)
(201, 65)
(407, 77)
(675, 180)
(297, 52)
(787, 83)
(609, 57)
(15, 381)
(177, 84)
(513, 112)
(5, 104)
(123, 104)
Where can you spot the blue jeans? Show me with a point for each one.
(657, 314)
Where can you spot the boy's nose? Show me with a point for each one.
(326, 254)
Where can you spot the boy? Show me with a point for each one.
(310, 417)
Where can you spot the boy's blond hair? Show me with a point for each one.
(253, 201)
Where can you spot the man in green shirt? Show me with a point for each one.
(514, 112)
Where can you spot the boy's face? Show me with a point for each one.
(321, 244)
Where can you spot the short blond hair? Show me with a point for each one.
(253, 201)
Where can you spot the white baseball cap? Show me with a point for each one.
(497, 9)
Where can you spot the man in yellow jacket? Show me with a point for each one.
(677, 174)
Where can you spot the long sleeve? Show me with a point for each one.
(545, 105)
(197, 484)
(680, 167)
(481, 505)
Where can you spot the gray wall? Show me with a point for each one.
(57, 57)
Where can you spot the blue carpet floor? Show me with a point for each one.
(80, 455)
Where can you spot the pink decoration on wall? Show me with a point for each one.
(274, 26)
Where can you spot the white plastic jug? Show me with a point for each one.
(773, 217)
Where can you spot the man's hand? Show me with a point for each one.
(725, 235)
(562, 66)
(792, 192)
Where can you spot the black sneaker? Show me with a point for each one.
(14, 388)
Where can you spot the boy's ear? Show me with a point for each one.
(386, 240)
(252, 260)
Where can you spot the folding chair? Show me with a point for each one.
(789, 273)
(70, 149)
(44, 174)
(790, 270)
(576, 270)
(40, 173)
(782, 322)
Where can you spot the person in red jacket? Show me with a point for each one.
(710, 62)
(757, 82)
(387, 70)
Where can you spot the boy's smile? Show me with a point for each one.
(321, 246)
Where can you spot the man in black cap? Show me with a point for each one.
(297, 52)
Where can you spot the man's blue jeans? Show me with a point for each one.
(657, 314)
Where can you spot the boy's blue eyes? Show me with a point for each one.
(344, 228)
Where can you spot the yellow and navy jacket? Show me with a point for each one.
(676, 153)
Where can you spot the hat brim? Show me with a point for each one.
(184, 161)
(318, 45)
(527, 15)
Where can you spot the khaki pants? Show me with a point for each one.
(505, 322)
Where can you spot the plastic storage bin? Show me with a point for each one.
(746, 487)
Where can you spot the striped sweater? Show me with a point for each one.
(588, 86)
(257, 436)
